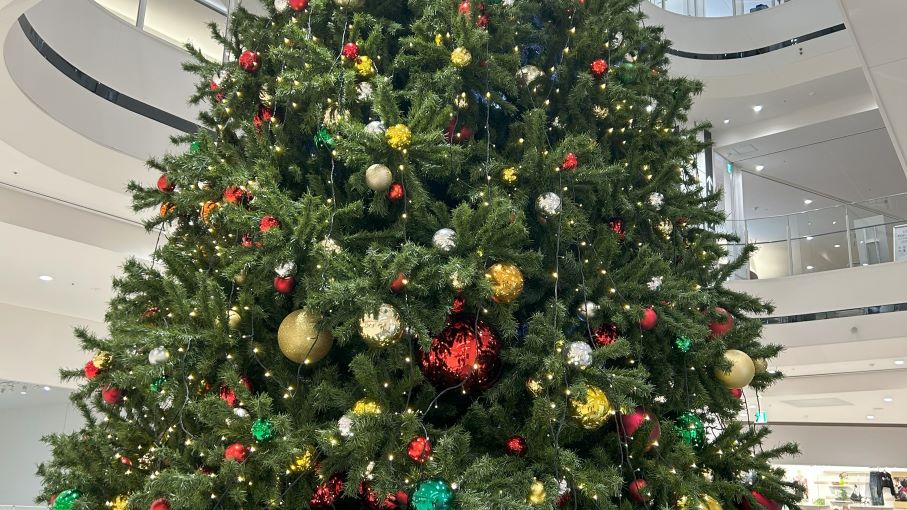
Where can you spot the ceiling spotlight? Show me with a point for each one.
(757, 108)
(809, 238)
(47, 388)
(46, 278)
(760, 168)
(887, 399)
(24, 390)
(898, 362)
(807, 201)
(870, 417)
(809, 268)
(837, 246)
(727, 121)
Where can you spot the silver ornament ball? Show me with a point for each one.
(529, 73)
(285, 269)
(548, 204)
(445, 240)
(378, 177)
(240, 412)
(375, 127)
(587, 310)
(281, 5)
(158, 355)
(579, 354)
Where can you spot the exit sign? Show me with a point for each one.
(761, 417)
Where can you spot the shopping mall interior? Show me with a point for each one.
(807, 113)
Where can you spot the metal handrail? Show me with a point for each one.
(808, 211)
(737, 4)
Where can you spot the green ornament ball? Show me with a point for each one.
(157, 384)
(683, 343)
(432, 494)
(66, 499)
(323, 138)
(195, 147)
(691, 429)
(262, 429)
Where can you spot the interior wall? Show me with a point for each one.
(843, 445)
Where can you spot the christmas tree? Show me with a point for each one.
(428, 255)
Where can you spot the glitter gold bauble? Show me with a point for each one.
(118, 503)
(509, 175)
(382, 329)
(234, 319)
(365, 67)
(303, 462)
(366, 406)
(536, 493)
(299, 338)
(167, 208)
(665, 227)
(207, 208)
(398, 136)
(741, 372)
(460, 57)
(350, 4)
(534, 387)
(761, 365)
(592, 411)
(707, 502)
(506, 282)
(102, 359)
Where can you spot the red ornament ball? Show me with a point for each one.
(299, 5)
(396, 192)
(482, 21)
(631, 422)
(326, 494)
(368, 496)
(419, 449)
(399, 283)
(284, 285)
(516, 445)
(234, 195)
(90, 370)
(112, 395)
(606, 334)
(649, 319)
(163, 184)
(639, 491)
(736, 392)
(723, 326)
(570, 161)
(617, 226)
(458, 305)
(227, 395)
(400, 499)
(160, 504)
(350, 51)
(466, 352)
(250, 61)
(126, 461)
(236, 452)
(463, 8)
(267, 223)
(598, 67)
(762, 500)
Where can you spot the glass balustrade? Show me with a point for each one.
(716, 8)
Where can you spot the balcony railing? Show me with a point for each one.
(716, 8)
(842, 236)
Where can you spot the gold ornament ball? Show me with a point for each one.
(460, 57)
(398, 136)
(365, 67)
(382, 329)
(378, 177)
(707, 502)
(240, 278)
(234, 319)
(665, 227)
(350, 4)
(592, 411)
(303, 462)
(506, 282)
(102, 359)
(761, 365)
(207, 208)
(299, 338)
(741, 372)
(534, 387)
(118, 503)
(366, 406)
(536, 493)
(509, 175)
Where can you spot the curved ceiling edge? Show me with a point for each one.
(758, 51)
(99, 89)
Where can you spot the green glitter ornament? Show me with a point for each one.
(262, 429)
(66, 499)
(195, 147)
(683, 343)
(158, 383)
(432, 494)
(691, 429)
(323, 138)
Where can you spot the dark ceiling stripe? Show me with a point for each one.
(757, 51)
(99, 89)
(837, 314)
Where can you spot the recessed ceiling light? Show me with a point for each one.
(870, 417)
(757, 108)
(760, 168)
(809, 238)
(898, 362)
(807, 201)
(809, 268)
(834, 223)
(837, 246)
(47, 388)
(45, 278)
(727, 121)
(888, 399)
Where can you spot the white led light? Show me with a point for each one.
(807, 201)
(760, 168)
(757, 108)
(46, 278)
(727, 121)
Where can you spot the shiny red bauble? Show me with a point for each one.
(631, 422)
(227, 394)
(267, 223)
(606, 334)
(250, 61)
(367, 496)
(516, 445)
(639, 491)
(482, 21)
(598, 67)
(463, 8)
(299, 5)
(112, 395)
(400, 499)
(649, 319)
(724, 325)
(284, 284)
(617, 226)
(163, 184)
(326, 494)
(399, 283)
(90, 370)
(396, 192)
(736, 392)
(762, 500)
(237, 452)
(467, 352)
(160, 504)
(350, 50)
(234, 195)
(570, 161)
(419, 449)
(126, 461)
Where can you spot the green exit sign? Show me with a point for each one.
(761, 417)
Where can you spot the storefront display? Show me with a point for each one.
(849, 487)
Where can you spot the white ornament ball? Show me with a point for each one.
(329, 245)
(286, 269)
(656, 200)
(579, 354)
(166, 403)
(548, 204)
(375, 127)
(203, 185)
(281, 5)
(350, 4)
(158, 355)
(445, 240)
(345, 425)
(529, 73)
(364, 91)
(378, 177)
(587, 310)
(240, 412)
(219, 78)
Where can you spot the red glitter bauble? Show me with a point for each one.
(762, 500)
(237, 452)
(570, 161)
(112, 395)
(649, 319)
(299, 5)
(350, 51)
(261, 117)
(90, 370)
(249, 61)
(419, 449)
(234, 195)
(464, 7)
(466, 352)
(606, 334)
(516, 445)
(723, 326)
(631, 422)
(284, 285)
(736, 392)
(227, 395)
(160, 504)
(639, 491)
(400, 499)
(396, 192)
(482, 21)
(267, 223)
(163, 184)
(458, 305)
(326, 494)
(598, 67)
(399, 283)
(617, 226)
(368, 496)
